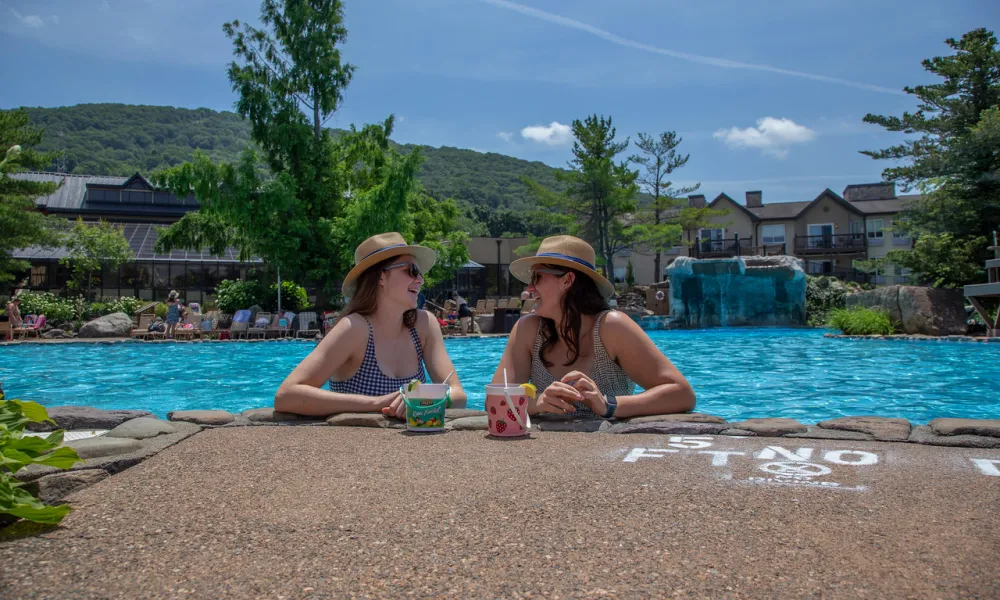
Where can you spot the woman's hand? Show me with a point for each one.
(586, 387)
(393, 405)
(555, 399)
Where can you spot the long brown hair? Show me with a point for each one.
(582, 298)
(365, 299)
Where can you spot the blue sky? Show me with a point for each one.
(767, 95)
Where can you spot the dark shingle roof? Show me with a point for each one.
(72, 196)
(141, 238)
(70, 192)
(779, 210)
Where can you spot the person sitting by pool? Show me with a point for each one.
(581, 356)
(383, 287)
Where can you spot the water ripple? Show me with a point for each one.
(736, 373)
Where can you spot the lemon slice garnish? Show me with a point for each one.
(529, 390)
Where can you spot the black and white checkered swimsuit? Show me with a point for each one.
(610, 378)
(369, 380)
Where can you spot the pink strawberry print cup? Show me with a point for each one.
(507, 418)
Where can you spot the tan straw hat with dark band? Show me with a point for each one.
(564, 251)
(380, 247)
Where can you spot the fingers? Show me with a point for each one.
(579, 381)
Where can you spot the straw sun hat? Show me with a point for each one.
(564, 251)
(380, 247)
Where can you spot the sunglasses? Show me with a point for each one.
(413, 270)
(537, 273)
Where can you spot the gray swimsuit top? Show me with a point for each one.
(609, 376)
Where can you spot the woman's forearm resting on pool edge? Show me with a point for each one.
(304, 399)
(666, 398)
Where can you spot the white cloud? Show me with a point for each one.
(771, 136)
(554, 134)
(33, 21)
(505, 136)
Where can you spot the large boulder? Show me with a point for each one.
(918, 310)
(113, 325)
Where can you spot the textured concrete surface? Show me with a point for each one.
(334, 512)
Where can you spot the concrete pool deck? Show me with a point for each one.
(329, 512)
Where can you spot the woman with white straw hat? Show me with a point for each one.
(581, 356)
(380, 343)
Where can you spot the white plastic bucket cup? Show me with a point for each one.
(507, 410)
(425, 406)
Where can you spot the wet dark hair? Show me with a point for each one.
(365, 298)
(582, 298)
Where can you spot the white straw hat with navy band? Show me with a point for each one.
(381, 247)
(564, 251)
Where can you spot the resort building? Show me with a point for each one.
(828, 232)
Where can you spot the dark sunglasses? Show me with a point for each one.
(413, 270)
(537, 273)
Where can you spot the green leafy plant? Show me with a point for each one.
(17, 451)
(55, 308)
(293, 297)
(862, 321)
(629, 275)
(160, 310)
(823, 295)
(233, 295)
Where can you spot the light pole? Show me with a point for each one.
(498, 266)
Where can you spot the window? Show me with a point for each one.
(875, 229)
(773, 234)
(857, 230)
(820, 267)
(39, 276)
(820, 235)
(712, 234)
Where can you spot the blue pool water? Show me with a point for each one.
(736, 373)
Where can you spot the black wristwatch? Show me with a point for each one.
(612, 406)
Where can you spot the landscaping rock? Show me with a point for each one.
(737, 432)
(53, 488)
(880, 428)
(451, 414)
(114, 325)
(364, 420)
(202, 417)
(53, 334)
(929, 311)
(269, 415)
(771, 427)
(671, 427)
(577, 425)
(103, 446)
(685, 417)
(925, 435)
(985, 427)
(470, 424)
(86, 417)
(141, 428)
(832, 434)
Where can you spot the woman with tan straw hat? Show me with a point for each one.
(380, 343)
(581, 356)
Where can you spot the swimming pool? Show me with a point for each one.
(736, 373)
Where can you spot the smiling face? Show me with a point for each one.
(400, 281)
(548, 286)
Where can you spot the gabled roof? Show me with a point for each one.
(828, 193)
(75, 195)
(779, 211)
(723, 196)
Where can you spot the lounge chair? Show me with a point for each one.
(192, 318)
(259, 330)
(527, 306)
(308, 325)
(480, 307)
(141, 330)
(32, 329)
(502, 303)
(240, 324)
(491, 305)
(280, 325)
(5, 333)
(514, 303)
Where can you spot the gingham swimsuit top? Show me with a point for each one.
(610, 378)
(370, 380)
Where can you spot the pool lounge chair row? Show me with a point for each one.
(278, 326)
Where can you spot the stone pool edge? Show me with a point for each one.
(135, 436)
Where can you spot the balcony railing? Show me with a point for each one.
(830, 244)
(735, 246)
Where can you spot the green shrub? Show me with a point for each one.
(293, 297)
(125, 304)
(233, 295)
(160, 310)
(823, 295)
(18, 451)
(862, 321)
(54, 308)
